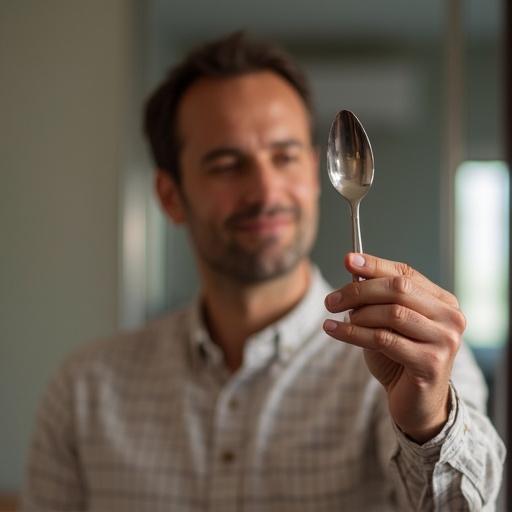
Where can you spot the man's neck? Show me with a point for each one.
(234, 312)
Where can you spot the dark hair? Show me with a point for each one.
(229, 56)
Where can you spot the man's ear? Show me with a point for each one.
(169, 195)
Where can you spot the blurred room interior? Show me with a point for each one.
(86, 250)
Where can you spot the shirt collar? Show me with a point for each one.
(305, 320)
(281, 339)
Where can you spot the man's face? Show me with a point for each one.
(249, 180)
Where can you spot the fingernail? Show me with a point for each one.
(330, 325)
(334, 299)
(357, 260)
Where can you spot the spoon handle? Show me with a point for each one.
(357, 244)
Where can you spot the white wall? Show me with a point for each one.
(64, 74)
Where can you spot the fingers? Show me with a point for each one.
(405, 322)
(397, 312)
(370, 267)
(391, 344)
(423, 361)
(410, 329)
(398, 290)
(396, 318)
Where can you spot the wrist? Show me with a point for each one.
(429, 428)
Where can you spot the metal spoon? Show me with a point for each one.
(350, 165)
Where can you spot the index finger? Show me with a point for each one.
(368, 266)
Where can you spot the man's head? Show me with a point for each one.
(230, 131)
(228, 57)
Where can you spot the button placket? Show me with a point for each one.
(233, 404)
(228, 442)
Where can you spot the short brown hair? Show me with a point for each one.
(229, 56)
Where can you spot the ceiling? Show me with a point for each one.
(361, 20)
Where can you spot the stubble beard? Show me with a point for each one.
(226, 255)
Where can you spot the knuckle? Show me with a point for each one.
(405, 270)
(398, 313)
(434, 358)
(351, 330)
(453, 300)
(453, 341)
(433, 362)
(384, 338)
(379, 265)
(356, 290)
(459, 320)
(401, 284)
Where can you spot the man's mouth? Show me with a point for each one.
(271, 220)
(264, 223)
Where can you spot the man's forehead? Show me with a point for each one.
(255, 85)
(262, 104)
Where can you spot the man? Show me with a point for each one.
(244, 401)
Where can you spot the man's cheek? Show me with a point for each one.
(306, 191)
(214, 207)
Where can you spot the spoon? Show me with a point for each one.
(350, 166)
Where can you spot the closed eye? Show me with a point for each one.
(225, 165)
(223, 160)
(284, 158)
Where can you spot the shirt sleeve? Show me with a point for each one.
(53, 481)
(461, 468)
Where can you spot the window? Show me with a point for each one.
(481, 252)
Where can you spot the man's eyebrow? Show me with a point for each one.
(283, 144)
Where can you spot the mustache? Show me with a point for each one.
(256, 211)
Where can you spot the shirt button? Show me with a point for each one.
(228, 457)
(287, 351)
(233, 404)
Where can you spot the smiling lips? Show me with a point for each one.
(263, 224)
(260, 220)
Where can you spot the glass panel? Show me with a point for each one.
(481, 250)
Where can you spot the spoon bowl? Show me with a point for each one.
(350, 165)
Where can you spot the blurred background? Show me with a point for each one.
(85, 250)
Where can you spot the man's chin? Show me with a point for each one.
(259, 275)
(256, 259)
(264, 266)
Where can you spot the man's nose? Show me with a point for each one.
(264, 182)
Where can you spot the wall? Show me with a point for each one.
(64, 68)
(69, 125)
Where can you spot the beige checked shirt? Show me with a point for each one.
(152, 421)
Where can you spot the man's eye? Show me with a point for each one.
(224, 167)
(285, 158)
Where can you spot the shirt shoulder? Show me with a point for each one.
(150, 349)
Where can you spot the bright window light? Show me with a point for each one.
(481, 250)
